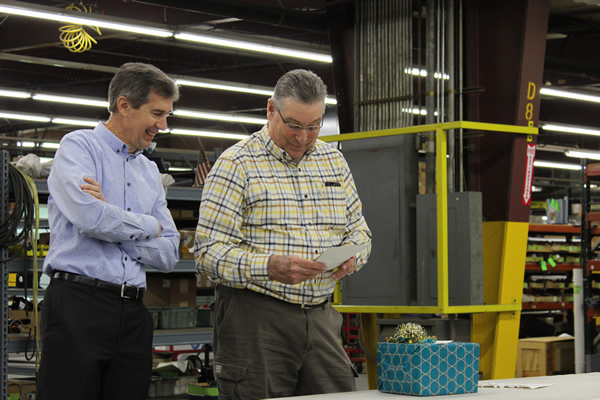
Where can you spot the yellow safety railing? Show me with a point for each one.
(443, 306)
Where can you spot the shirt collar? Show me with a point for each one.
(116, 144)
(277, 151)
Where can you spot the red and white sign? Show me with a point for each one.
(528, 175)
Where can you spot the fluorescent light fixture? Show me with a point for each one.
(548, 164)
(70, 100)
(14, 93)
(238, 44)
(221, 135)
(570, 129)
(242, 89)
(417, 111)
(72, 121)
(423, 72)
(569, 95)
(84, 101)
(26, 144)
(180, 113)
(62, 16)
(50, 145)
(594, 155)
(24, 117)
(207, 85)
(180, 169)
(219, 117)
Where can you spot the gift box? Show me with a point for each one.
(427, 369)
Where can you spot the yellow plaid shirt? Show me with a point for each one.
(256, 202)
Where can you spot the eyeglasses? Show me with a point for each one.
(298, 127)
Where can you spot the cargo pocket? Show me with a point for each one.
(231, 380)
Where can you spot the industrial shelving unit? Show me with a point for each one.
(4, 157)
(590, 238)
(19, 343)
(552, 251)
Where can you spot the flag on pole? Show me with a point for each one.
(202, 169)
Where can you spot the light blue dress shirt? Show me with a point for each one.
(110, 241)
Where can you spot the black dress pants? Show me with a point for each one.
(95, 345)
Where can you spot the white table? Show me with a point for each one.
(566, 387)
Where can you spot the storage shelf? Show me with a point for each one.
(174, 337)
(593, 217)
(592, 170)
(559, 305)
(16, 266)
(535, 267)
(555, 228)
(19, 343)
(173, 192)
(593, 266)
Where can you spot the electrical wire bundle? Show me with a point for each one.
(27, 209)
(74, 37)
(24, 211)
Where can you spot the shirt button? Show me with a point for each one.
(306, 196)
(147, 237)
(118, 151)
(119, 243)
(128, 183)
(139, 258)
(128, 209)
(131, 237)
(125, 258)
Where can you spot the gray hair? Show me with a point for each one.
(303, 85)
(135, 81)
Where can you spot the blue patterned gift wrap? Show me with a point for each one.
(427, 369)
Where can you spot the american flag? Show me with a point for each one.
(202, 169)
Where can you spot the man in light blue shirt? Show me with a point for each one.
(108, 219)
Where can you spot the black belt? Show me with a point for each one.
(311, 306)
(124, 291)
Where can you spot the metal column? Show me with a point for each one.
(4, 157)
(505, 55)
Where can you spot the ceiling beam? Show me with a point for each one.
(306, 21)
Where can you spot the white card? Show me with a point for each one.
(333, 257)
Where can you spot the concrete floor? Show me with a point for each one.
(361, 381)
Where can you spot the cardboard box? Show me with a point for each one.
(202, 281)
(427, 369)
(543, 356)
(26, 317)
(172, 290)
(21, 387)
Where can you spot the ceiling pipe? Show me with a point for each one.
(312, 22)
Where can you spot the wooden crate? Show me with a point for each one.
(543, 356)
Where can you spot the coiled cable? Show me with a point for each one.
(74, 37)
(23, 210)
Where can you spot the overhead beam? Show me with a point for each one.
(313, 22)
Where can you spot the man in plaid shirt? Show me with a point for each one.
(271, 205)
